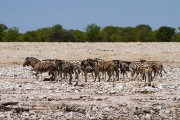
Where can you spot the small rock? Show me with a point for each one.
(107, 109)
(112, 92)
(164, 113)
(98, 98)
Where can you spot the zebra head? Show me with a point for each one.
(92, 62)
(30, 61)
(26, 62)
(125, 65)
(59, 63)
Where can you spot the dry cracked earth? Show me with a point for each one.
(119, 100)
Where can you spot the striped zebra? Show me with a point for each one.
(65, 68)
(101, 66)
(109, 67)
(136, 68)
(77, 70)
(147, 74)
(40, 67)
(157, 67)
(90, 66)
(124, 68)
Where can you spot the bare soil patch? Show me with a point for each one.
(90, 100)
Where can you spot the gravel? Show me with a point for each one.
(129, 100)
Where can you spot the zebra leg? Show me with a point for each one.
(70, 79)
(104, 75)
(97, 75)
(117, 75)
(77, 77)
(162, 69)
(154, 74)
(149, 79)
(132, 75)
(65, 76)
(136, 76)
(123, 75)
(92, 75)
(77, 81)
(144, 78)
(109, 75)
(113, 75)
(85, 75)
(51, 75)
(126, 74)
(55, 77)
(61, 75)
(95, 78)
(37, 75)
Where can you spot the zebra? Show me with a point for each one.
(124, 68)
(110, 67)
(137, 68)
(147, 74)
(64, 67)
(77, 70)
(157, 67)
(40, 67)
(90, 66)
(86, 68)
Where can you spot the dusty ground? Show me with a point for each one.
(90, 101)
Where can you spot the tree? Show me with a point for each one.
(58, 34)
(144, 32)
(42, 34)
(55, 33)
(128, 34)
(11, 35)
(110, 34)
(3, 28)
(93, 33)
(165, 34)
(30, 36)
(79, 35)
(176, 36)
(178, 28)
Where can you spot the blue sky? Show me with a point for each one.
(77, 14)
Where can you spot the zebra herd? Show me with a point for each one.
(99, 68)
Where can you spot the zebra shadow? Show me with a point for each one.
(48, 79)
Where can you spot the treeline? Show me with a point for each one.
(92, 33)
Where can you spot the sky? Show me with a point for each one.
(30, 15)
